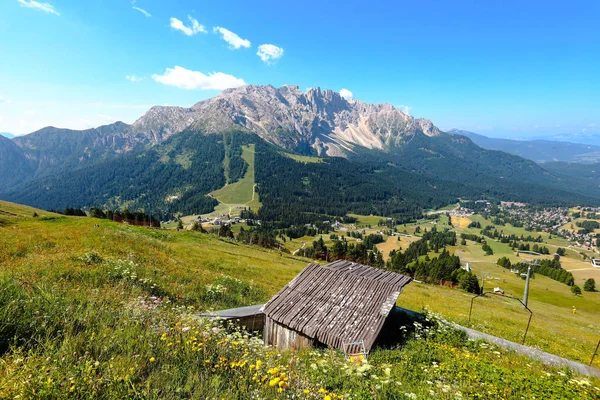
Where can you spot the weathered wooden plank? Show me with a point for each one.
(338, 303)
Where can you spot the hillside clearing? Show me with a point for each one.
(241, 194)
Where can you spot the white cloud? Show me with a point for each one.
(46, 7)
(404, 109)
(133, 78)
(146, 13)
(269, 53)
(186, 79)
(346, 94)
(29, 112)
(235, 42)
(5, 100)
(189, 31)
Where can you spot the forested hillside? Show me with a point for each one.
(176, 175)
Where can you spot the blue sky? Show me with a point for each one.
(500, 68)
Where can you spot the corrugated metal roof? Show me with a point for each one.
(338, 303)
(235, 312)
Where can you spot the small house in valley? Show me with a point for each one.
(341, 305)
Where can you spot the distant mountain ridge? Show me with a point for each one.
(7, 135)
(376, 159)
(541, 151)
(315, 121)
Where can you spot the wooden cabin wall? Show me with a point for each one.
(283, 338)
(252, 322)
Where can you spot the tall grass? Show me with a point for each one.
(109, 312)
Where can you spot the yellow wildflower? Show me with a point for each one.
(152, 359)
(274, 381)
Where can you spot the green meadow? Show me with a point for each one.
(241, 193)
(90, 308)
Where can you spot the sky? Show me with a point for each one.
(515, 69)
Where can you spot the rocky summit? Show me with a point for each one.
(315, 121)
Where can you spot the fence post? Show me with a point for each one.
(595, 353)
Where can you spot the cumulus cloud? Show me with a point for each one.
(346, 94)
(235, 42)
(404, 109)
(45, 7)
(269, 53)
(186, 79)
(133, 78)
(187, 30)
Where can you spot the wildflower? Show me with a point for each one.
(327, 397)
(152, 359)
(274, 381)
(187, 328)
(306, 391)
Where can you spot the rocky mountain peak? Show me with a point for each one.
(316, 119)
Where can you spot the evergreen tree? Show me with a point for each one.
(590, 285)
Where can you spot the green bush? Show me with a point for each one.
(590, 285)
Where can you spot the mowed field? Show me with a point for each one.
(395, 243)
(241, 193)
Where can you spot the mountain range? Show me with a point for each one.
(540, 151)
(375, 159)
(7, 135)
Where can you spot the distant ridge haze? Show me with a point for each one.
(538, 150)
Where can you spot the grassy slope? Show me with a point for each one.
(554, 327)
(239, 194)
(304, 159)
(176, 257)
(65, 267)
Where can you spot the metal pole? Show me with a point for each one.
(595, 353)
(526, 294)
(528, 323)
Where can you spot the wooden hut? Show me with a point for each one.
(336, 305)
